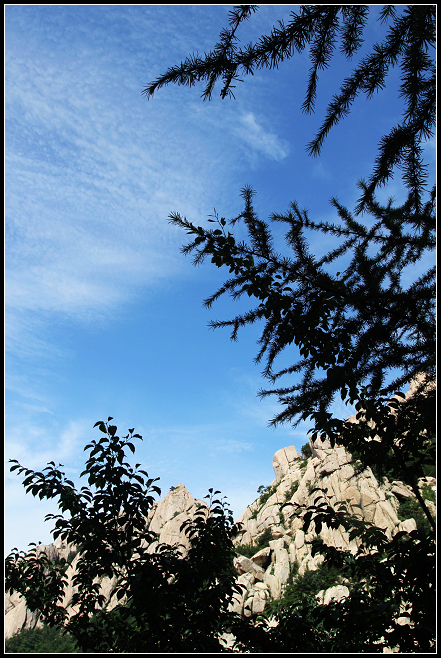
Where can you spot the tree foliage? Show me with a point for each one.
(171, 601)
(41, 640)
(167, 600)
(318, 28)
(363, 323)
(362, 333)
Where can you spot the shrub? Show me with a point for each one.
(428, 493)
(411, 509)
(306, 450)
(267, 494)
(264, 496)
(309, 584)
(247, 550)
(264, 539)
(291, 491)
(41, 640)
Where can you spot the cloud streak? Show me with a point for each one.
(92, 173)
(263, 141)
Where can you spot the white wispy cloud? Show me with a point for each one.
(88, 192)
(260, 139)
(34, 446)
(321, 172)
(233, 446)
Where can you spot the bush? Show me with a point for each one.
(429, 470)
(264, 539)
(41, 640)
(310, 584)
(306, 450)
(291, 491)
(411, 509)
(428, 493)
(264, 496)
(248, 550)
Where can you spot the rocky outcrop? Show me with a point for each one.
(332, 470)
(17, 615)
(167, 516)
(274, 513)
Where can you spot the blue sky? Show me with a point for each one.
(104, 316)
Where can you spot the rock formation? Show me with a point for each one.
(266, 573)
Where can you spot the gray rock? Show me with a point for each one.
(283, 460)
(263, 557)
(245, 565)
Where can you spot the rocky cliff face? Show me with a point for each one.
(267, 571)
(265, 574)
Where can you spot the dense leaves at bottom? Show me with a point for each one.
(169, 600)
(41, 640)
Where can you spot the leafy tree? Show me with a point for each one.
(319, 27)
(165, 600)
(361, 324)
(174, 602)
(362, 333)
(363, 328)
